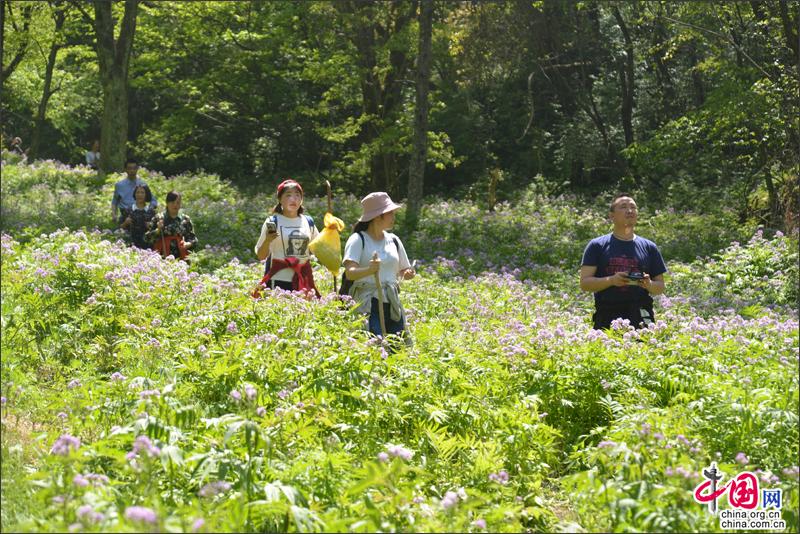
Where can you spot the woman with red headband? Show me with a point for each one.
(284, 240)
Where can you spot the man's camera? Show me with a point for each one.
(634, 277)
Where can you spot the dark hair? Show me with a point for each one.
(148, 195)
(617, 197)
(172, 196)
(361, 226)
(131, 160)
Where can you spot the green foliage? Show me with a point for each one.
(195, 401)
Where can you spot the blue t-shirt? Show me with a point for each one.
(123, 193)
(611, 255)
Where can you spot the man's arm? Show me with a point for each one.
(114, 202)
(590, 282)
(655, 285)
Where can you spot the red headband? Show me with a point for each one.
(288, 183)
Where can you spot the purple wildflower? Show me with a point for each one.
(261, 411)
(63, 444)
(87, 515)
(449, 500)
(383, 457)
(97, 478)
(479, 523)
(214, 488)
(235, 395)
(74, 384)
(149, 393)
(117, 377)
(742, 458)
(141, 514)
(791, 472)
(232, 328)
(250, 392)
(606, 444)
(399, 451)
(198, 524)
(501, 477)
(80, 481)
(142, 444)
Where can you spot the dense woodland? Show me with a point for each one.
(691, 104)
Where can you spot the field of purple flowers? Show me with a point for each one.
(144, 395)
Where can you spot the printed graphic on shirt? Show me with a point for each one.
(295, 242)
(622, 264)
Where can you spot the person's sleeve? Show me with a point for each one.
(262, 237)
(591, 255)
(657, 265)
(188, 232)
(115, 198)
(401, 250)
(150, 234)
(89, 158)
(353, 249)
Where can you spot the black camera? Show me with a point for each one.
(634, 277)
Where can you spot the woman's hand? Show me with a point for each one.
(127, 222)
(408, 274)
(160, 225)
(374, 264)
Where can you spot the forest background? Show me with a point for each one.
(688, 104)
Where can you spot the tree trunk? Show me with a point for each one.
(698, 92)
(381, 92)
(114, 58)
(790, 32)
(6, 71)
(416, 171)
(626, 80)
(36, 138)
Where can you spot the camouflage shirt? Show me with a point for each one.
(180, 226)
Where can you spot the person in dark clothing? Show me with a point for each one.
(623, 270)
(172, 233)
(136, 219)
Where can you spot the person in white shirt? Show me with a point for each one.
(371, 236)
(284, 240)
(93, 156)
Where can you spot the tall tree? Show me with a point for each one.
(20, 29)
(376, 27)
(626, 78)
(59, 16)
(114, 58)
(416, 171)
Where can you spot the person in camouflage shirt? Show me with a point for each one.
(171, 232)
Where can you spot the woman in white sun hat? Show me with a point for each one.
(371, 235)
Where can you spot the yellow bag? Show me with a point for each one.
(326, 246)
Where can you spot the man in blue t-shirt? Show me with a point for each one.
(623, 270)
(123, 191)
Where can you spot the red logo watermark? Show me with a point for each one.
(743, 497)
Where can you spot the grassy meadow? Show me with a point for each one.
(140, 394)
